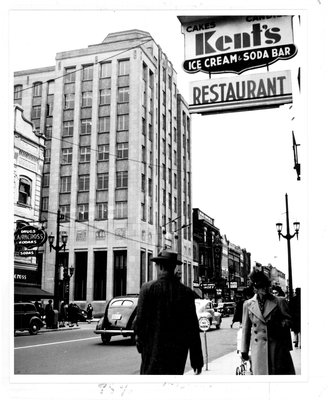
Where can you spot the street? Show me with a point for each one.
(81, 352)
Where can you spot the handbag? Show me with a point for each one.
(245, 368)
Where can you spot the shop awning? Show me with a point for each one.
(31, 292)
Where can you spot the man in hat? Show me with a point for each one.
(167, 327)
(266, 330)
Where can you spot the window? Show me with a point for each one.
(102, 181)
(122, 151)
(65, 184)
(143, 126)
(47, 155)
(100, 275)
(121, 209)
(86, 99)
(45, 180)
(105, 70)
(65, 212)
(123, 67)
(24, 195)
(123, 122)
(67, 155)
(69, 101)
(44, 203)
(175, 157)
(143, 154)
(85, 154)
(84, 183)
(175, 181)
(68, 128)
(86, 126)
(102, 211)
(143, 182)
(104, 96)
(103, 152)
(50, 109)
(70, 75)
(123, 95)
(104, 124)
(51, 87)
(143, 211)
(36, 112)
(87, 74)
(121, 179)
(82, 212)
(18, 92)
(37, 89)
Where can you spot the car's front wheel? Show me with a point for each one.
(106, 338)
(34, 328)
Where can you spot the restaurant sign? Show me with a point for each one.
(236, 43)
(269, 89)
(29, 237)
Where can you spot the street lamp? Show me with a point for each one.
(288, 237)
(57, 247)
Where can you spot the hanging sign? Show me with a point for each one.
(236, 43)
(269, 89)
(30, 237)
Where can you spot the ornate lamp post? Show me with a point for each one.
(288, 237)
(57, 247)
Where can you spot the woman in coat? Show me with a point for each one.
(266, 330)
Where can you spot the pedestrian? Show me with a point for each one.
(73, 314)
(39, 308)
(89, 312)
(49, 312)
(266, 330)
(295, 310)
(238, 314)
(166, 325)
(277, 291)
(62, 314)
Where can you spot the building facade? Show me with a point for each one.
(117, 162)
(28, 166)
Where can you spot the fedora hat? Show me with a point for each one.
(167, 256)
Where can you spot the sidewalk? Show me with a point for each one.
(227, 364)
(68, 327)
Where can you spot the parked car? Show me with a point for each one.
(204, 309)
(26, 317)
(226, 308)
(119, 318)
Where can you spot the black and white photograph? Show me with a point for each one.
(164, 175)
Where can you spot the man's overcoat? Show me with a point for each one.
(268, 336)
(167, 327)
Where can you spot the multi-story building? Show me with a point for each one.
(28, 166)
(117, 162)
(207, 240)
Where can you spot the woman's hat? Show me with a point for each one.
(259, 279)
(167, 257)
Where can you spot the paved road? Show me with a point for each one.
(81, 352)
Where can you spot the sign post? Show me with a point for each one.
(204, 325)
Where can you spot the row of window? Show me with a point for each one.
(103, 125)
(82, 211)
(122, 153)
(84, 182)
(69, 77)
(104, 98)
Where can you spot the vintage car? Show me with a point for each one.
(26, 317)
(118, 319)
(226, 308)
(204, 309)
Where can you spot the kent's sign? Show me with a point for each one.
(269, 89)
(237, 43)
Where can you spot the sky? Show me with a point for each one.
(242, 163)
